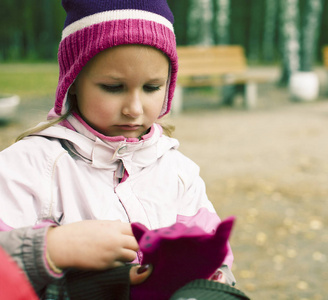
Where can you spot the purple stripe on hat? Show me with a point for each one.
(78, 9)
(115, 15)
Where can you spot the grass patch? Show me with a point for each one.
(28, 80)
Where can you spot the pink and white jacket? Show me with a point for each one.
(72, 175)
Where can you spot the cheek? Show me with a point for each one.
(153, 109)
(101, 111)
(94, 108)
(158, 105)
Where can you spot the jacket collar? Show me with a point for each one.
(113, 155)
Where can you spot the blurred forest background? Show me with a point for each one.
(286, 32)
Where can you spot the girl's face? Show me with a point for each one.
(121, 90)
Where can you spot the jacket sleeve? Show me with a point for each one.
(27, 247)
(192, 189)
(194, 201)
(98, 285)
(26, 170)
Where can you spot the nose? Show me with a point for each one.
(133, 105)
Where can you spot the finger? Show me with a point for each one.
(221, 279)
(126, 229)
(116, 264)
(139, 274)
(130, 242)
(127, 255)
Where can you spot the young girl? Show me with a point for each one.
(73, 185)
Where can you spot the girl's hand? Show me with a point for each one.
(138, 274)
(91, 244)
(219, 277)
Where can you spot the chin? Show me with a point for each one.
(127, 135)
(131, 136)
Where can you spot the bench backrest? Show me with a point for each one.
(325, 56)
(211, 60)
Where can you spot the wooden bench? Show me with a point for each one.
(325, 63)
(325, 56)
(214, 66)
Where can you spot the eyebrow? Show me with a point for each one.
(116, 78)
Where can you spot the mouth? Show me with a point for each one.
(128, 127)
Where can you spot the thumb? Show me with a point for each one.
(138, 274)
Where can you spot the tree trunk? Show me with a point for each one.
(47, 34)
(29, 30)
(289, 39)
(269, 34)
(310, 33)
(179, 9)
(200, 18)
(222, 22)
(255, 30)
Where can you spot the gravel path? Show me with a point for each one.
(268, 167)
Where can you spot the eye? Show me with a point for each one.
(112, 88)
(149, 88)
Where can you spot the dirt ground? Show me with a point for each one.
(268, 167)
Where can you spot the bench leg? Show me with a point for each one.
(177, 101)
(250, 95)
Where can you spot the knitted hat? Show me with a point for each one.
(95, 25)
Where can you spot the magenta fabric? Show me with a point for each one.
(208, 221)
(179, 254)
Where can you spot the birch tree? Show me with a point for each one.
(200, 18)
(222, 22)
(289, 39)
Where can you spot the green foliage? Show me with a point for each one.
(30, 29)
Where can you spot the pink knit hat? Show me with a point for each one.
(95, 25)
